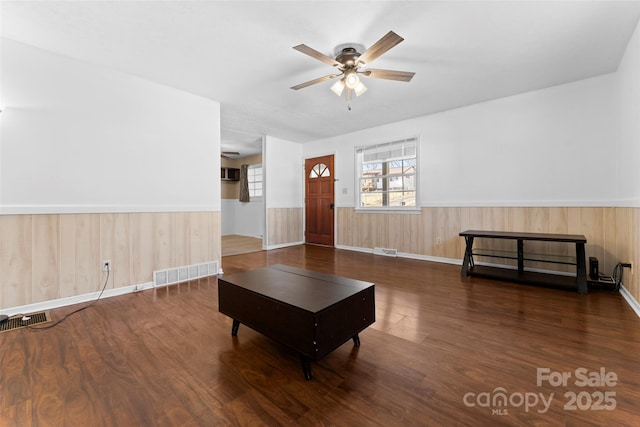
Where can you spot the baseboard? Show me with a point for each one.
(635, 305)
(283, 245)
(77, 299)
(355, 248)
(405, 255)
(430, 258)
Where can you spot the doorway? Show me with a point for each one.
(242, 222)
(319, 200)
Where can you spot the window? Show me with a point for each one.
(319, 170)
(254, 177)
(387, 175)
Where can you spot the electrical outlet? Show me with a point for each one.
(106, 265)
(438, 241)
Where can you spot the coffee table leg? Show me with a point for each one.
(306, 367)
(234, 327)
(356, 340)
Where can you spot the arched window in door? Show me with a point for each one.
(319, 170)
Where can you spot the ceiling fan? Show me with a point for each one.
(229, 154)
(349, 62)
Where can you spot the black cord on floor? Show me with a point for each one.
(617, 275)
(57, 322)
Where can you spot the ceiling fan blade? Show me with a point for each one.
(314, 81)
(317, 55)
(402, 76)
(388, 41)
(230, 155)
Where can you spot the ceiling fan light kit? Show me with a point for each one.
(360, 88)
(229, 154)
(351, 80)
(348, 60)
(338, 87)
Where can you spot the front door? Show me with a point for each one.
(319, 201)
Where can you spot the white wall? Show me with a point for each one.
(80, 138)
(244, 219)
(628, 151)
(549, 147)
(284, 173)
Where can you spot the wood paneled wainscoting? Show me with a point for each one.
(46, 257)
(612, 232)
(284, 227)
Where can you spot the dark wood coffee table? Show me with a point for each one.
(312, 313)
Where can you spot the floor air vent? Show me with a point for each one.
(183, 274)
(17, 322)
(385, 251)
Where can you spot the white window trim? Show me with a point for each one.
(387, 209)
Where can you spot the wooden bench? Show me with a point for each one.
(520, 274)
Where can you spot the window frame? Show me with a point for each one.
(252, 197)
(359, 166)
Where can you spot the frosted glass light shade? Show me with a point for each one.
(338, 87)
(360, 89)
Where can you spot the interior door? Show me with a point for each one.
(319, 200)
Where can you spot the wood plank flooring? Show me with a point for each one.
(234, 244)
(442, 351)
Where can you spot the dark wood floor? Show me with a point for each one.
(234, 244)
(166, 357)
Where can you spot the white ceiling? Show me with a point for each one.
(240, 53)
